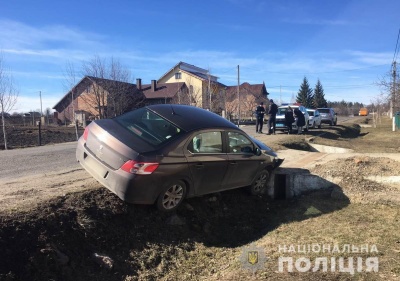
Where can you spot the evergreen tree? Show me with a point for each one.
(319, 96)
(305, 94)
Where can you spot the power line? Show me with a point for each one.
(306, 73)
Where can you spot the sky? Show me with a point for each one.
(349, 45)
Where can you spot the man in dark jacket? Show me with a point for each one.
(272, 111)
(300, 120)
(289, 119)
(260, 117)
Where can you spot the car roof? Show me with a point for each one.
(190, 117)
(292, 106)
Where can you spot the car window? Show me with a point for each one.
(282, 110)
(207, 142)
(311, 113)
(239, 143)
(149, 126)
(324, 110)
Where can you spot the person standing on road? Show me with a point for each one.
(289, 119)
(260, 117)
(272, 111)
(300, 120)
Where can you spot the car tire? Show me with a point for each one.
(259, 184)
(319, 126)
(306, 128)
(313, 125)
(172, 196)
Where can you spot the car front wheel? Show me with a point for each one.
(172, 196)
(259, 185)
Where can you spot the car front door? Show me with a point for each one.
(244, 164)
(207, 162)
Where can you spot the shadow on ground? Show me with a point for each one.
(71, 237)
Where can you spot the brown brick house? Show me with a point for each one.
(96, 98)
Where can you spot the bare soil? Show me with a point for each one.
(92, 235)
(27, 136)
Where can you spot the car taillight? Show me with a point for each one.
(86, 133)
(139, 168)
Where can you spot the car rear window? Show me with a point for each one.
(149, 126)
(324, 110)
(282, 110)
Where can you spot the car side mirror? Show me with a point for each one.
(257, 151)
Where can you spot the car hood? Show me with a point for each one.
(268, 151)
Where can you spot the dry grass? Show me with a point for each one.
(377, 138)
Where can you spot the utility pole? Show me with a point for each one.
(394, 89)
(238, 94)
(41, 109)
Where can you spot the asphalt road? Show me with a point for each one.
(17, 163)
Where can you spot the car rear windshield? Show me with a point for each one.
(282, 110)
(311, 113)
(149, 126)
(324, 110)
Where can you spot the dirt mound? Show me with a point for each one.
(94, 235)
(362, 166)
(353, 176)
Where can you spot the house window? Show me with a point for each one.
(177, 75)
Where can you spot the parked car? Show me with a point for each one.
(328, 116)
(280, 117)
(164, 153)
(314, 118)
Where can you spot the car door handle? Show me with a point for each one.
(233, 163)
(199, 166)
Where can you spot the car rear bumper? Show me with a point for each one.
(281, 125)
(135, 189)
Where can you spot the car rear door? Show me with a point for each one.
(207, 162)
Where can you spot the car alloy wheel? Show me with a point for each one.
(172, 196)
(259, 184)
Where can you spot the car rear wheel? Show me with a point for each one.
(172, 196)
(259, 185)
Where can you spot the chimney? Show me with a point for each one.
(153, 85)
(139, 83)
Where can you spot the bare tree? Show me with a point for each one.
(8, 96)
(111, 93)
(194, 95)
(390, 89)
(248, 105)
